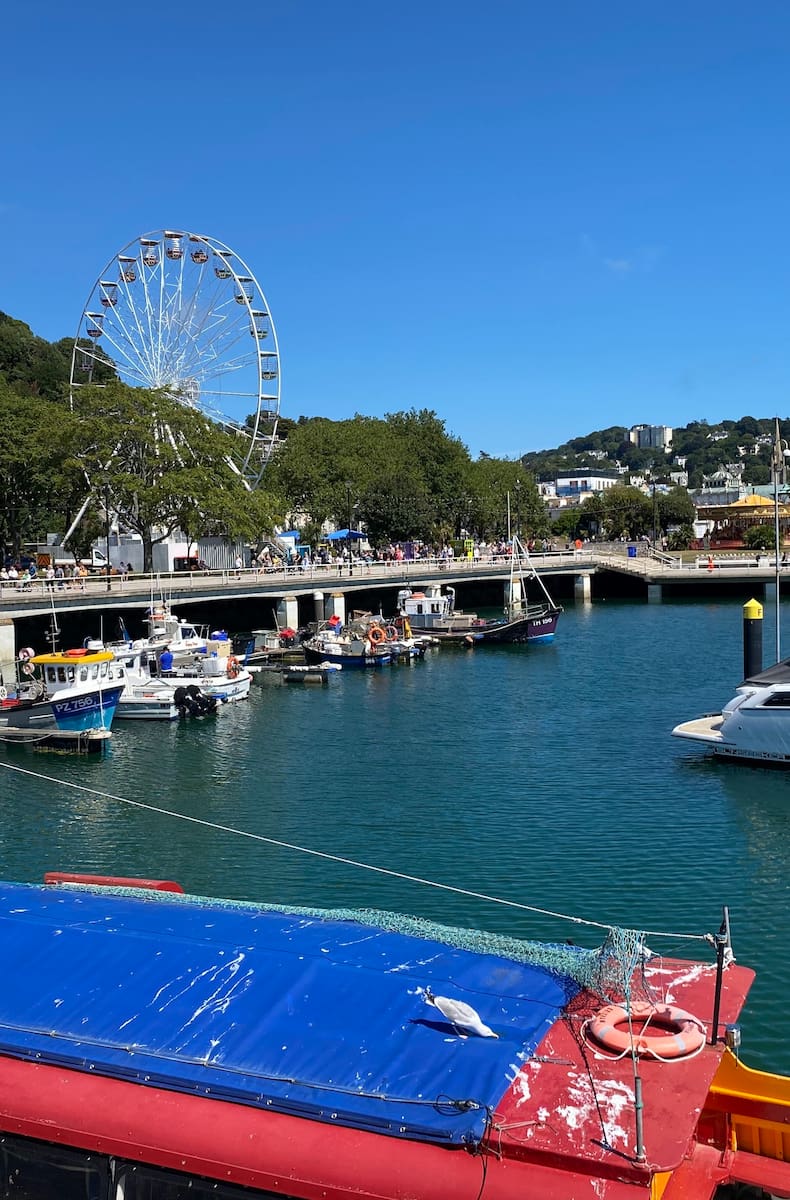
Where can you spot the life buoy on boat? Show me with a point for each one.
(376, 635)
(660, 1030)
(392, 633)
(233, 667)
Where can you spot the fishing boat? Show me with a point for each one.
(61, 700)
(156, 1043)
(217, 674)
(347, 646)
(148, 697)
(431, 609)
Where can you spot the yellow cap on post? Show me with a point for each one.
(752, 610)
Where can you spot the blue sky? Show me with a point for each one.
(535, 219)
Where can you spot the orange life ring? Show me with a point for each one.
(75, 653)
(233, 667)
(376, 635)
(658, 1029)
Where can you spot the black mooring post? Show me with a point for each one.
(752, 638)
(722, 945)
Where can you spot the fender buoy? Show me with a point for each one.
(376, 635)
(28, 669)
(76, 653)
(661, 1030)
(25, 653)
(233, 667)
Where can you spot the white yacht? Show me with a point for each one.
(754, 725)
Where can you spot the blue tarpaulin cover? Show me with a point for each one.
(319, 1018)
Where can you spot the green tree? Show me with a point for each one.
(162, 466)
(675, 507)
(627, 512)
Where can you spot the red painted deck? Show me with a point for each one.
(575, 1107)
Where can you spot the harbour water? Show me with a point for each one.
(544, 776)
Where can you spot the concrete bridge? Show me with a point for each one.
(646, 572)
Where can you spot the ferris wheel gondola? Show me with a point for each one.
(183, 312)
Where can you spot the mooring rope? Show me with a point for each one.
(338, 858)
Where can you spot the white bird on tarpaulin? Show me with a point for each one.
(461, 1016)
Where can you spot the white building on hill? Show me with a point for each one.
(651, 437)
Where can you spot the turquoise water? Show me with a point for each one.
(545, 776)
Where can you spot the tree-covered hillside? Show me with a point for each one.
(705, 447)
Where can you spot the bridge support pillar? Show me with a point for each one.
(7, 647)
(335, 606)
(288, 613)
(582, 588)
(318, 606)
(654, 593)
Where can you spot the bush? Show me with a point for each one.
(760, 537)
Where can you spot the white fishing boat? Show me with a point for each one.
(146, 696)
(218, 674)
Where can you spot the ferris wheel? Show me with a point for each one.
(183, 312)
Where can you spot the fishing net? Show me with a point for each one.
(612, 970)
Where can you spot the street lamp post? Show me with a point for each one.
(780, 453)
(107, 533)
(348, 526)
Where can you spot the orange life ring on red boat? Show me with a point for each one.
(233, 667)
(76, 653)
(376, 635)
(661, 1030)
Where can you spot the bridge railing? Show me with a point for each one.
(320, 575)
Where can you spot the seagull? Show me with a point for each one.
(462, 1016)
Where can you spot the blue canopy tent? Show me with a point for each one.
(345, 535)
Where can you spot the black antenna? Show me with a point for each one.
(722, 943)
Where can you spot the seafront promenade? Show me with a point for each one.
(651, 572)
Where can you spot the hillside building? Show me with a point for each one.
(651, 437)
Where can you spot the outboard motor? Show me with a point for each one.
(185, 703)
(204, 704)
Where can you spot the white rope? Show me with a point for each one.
(349, 862)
